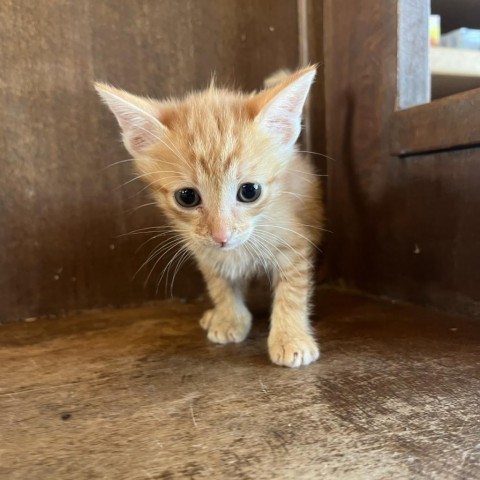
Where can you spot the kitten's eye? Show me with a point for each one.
(187, 197)
(249, 192)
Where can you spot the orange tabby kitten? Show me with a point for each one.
(224, 168)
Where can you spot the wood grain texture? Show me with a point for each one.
(316, 143)
(141, 394)
(360, 93)
(315, 47)
(446, 123)
(61, 212)
(408, 227)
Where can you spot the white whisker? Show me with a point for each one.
(167, 270)
(171, 242)
(168, 232)
(307, 173)
(118, 163)
(294, 232)
(180, 264)
(316, 153)
(143, 230)
(171, 246)
(283, 242)
(151, 173)
(134, 209)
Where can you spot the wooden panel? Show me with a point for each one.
(360, 92)
(402, 227)
(318, 141)
(446, 123)
(311, 52)
(424, 240)
(140, 394)
(61, 212)
(312, 47)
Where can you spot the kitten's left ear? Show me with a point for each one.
(138, 118)
(279, 109)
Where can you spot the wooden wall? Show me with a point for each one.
(61, 211)
(405, 226)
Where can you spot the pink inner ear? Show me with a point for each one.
(139, 133)
(279, 109)
(137, 117)
(287, 129)
(139, 141)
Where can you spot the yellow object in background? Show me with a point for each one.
(435, 30)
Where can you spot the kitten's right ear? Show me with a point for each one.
(138, 118)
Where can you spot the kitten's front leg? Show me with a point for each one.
(229, 320)
(290, 342)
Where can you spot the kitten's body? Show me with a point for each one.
(214, 143)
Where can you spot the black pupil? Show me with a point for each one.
(249, 190)
(188, 196)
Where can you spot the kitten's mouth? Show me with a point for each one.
(232, 244)
(228, 246)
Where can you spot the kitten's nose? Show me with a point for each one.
(221, 236)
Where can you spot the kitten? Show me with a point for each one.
(224, 168)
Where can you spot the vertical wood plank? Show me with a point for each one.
(61, 210)
(360, 92)
(315, 54)
(405, 228)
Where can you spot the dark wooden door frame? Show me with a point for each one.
(418, 125)
(404, 228)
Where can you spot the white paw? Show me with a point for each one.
(292, 350)
(226, 326)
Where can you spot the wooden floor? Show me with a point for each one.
(141, 394)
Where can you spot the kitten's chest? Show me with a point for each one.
(231, 264)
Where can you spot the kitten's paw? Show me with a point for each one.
(226, 327)
(292, 350)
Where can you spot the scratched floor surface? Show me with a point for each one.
(141, 394)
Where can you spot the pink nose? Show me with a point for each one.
(221, 236)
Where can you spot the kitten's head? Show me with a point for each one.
(215, 159)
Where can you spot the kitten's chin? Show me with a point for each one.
(228, 247)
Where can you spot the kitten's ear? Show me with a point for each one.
(279, 109)
(138, 118)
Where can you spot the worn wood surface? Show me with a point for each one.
(360, 93)
(141, 394)
(446, 123)
(312, 44)
(407, 227)
(61, 212)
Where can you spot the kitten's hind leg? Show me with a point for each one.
(229, 321)
(290, 342)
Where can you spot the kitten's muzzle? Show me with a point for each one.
(221, 236)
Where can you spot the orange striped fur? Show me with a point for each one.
(214, 141)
